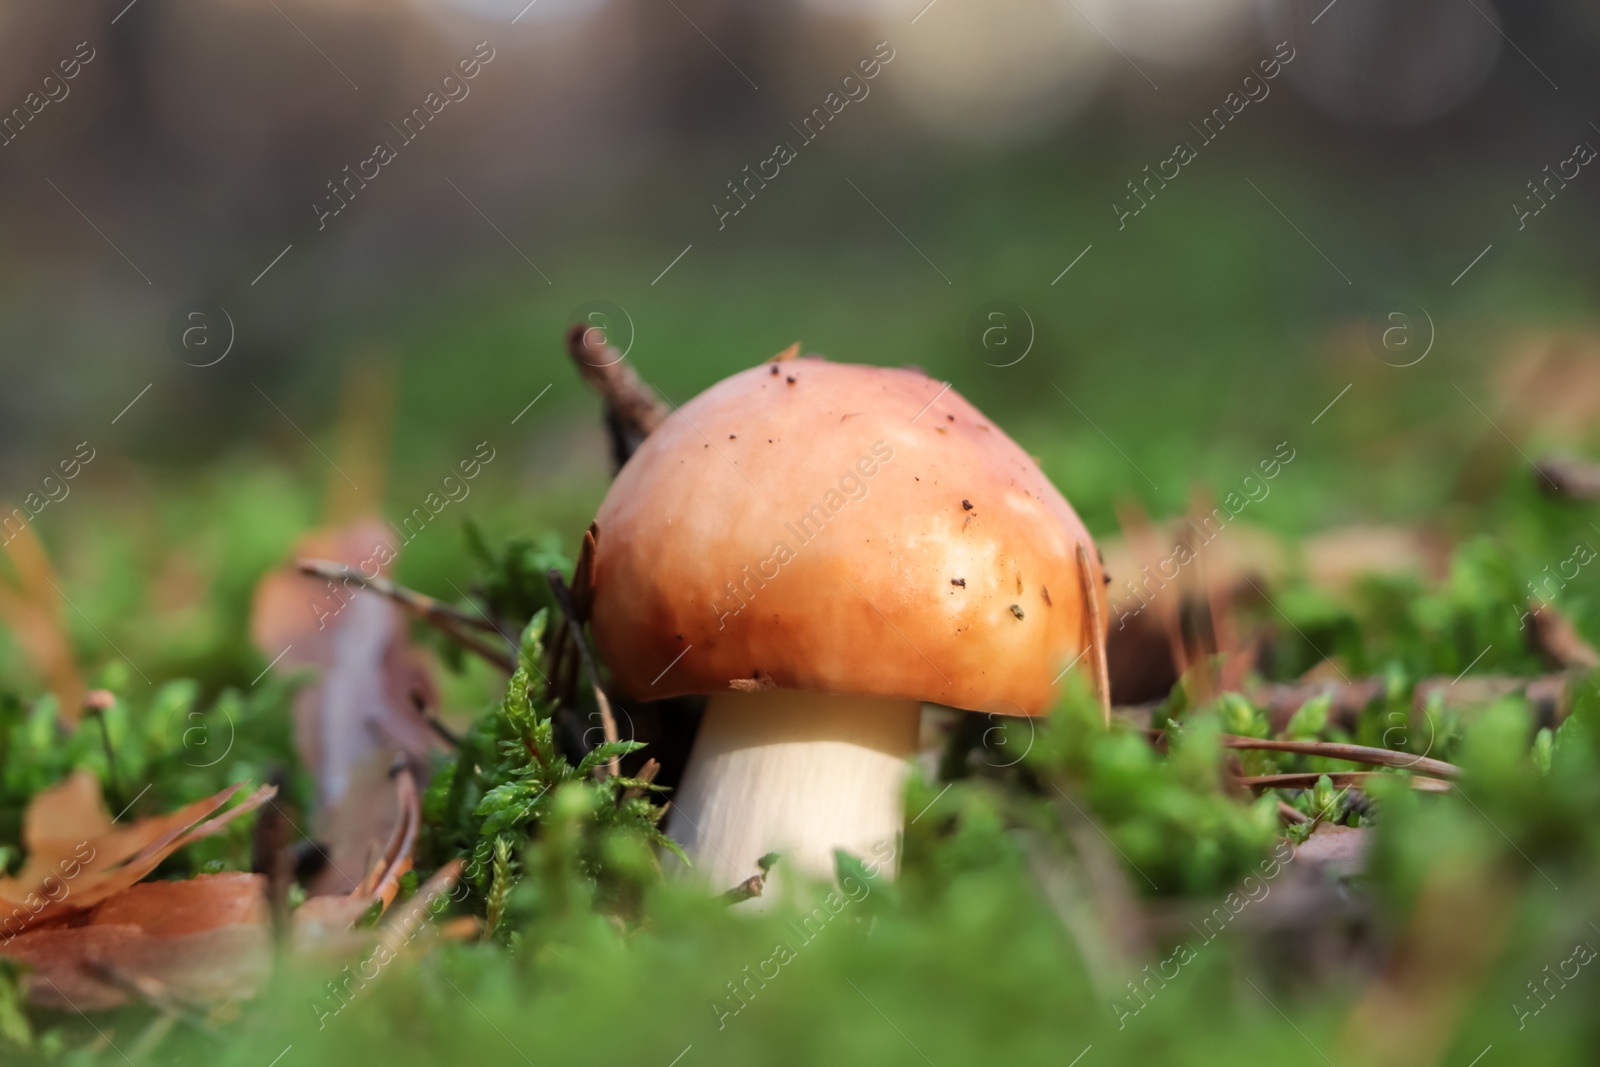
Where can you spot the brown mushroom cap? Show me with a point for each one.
(844, 529)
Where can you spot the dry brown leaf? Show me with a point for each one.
(77, 857)
(59, 817)
(201, 941)
(170, 909)
(365, 709)
(32, 609)
(323, 920)
(1340, 850)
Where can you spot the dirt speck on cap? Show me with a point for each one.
(1016, 609)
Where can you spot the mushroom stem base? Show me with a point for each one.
(799, 774)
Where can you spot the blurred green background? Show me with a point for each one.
(986, 158)
(1378, 178)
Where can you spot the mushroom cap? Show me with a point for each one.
(844, 529)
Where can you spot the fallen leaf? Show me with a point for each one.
(77, 856)
(366, 707)
(200, 941)
(1339, 850)
(31, 607)
(323, 920)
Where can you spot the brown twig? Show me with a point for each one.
(1291, 815)
(632, 408)
(1380, 757)
(445, 734)
(752, 886)
(608, 722)
(1340, 780)
(442, 617)
(746, 890)
(419, 604)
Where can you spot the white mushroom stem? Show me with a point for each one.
(795, 773)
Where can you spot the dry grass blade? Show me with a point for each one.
(1096, 624)
(583, 574)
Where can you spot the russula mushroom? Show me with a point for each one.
(820, 548)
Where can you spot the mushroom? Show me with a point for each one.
(819, 549)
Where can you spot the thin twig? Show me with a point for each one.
(441, 616)
(1341, 780)
(449, 736)
(754, 885)
(608, 722)
(631, 406)
(745, 890)
(419, 604)
(1380, 757)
